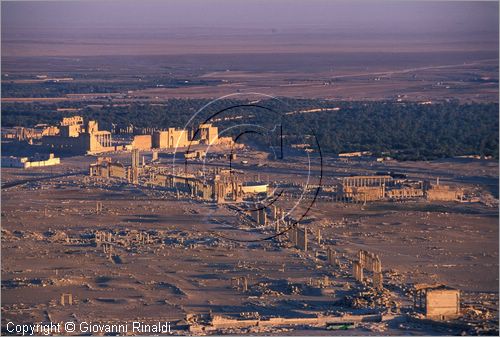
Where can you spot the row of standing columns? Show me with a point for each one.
(371, 262)
(104, 139)
(298, 236)
(365, 181)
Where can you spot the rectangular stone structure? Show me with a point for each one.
(437, 302)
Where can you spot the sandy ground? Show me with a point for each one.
(188, 268)
(418, 75)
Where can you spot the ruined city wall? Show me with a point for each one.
(142, 142)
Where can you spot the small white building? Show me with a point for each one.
(24, 162)
(254, 188)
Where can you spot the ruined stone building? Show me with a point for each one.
(72, 126)
(20, 133)
(105, 168)
(208, 134)
(438, 192)
(75, 137)
(437, 301)
(218, 188)
(406, 191)
(362, 189)
(361, 194)
(142, 142)
(171, 138)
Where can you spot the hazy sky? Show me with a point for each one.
(462, 22)
(407, 15)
